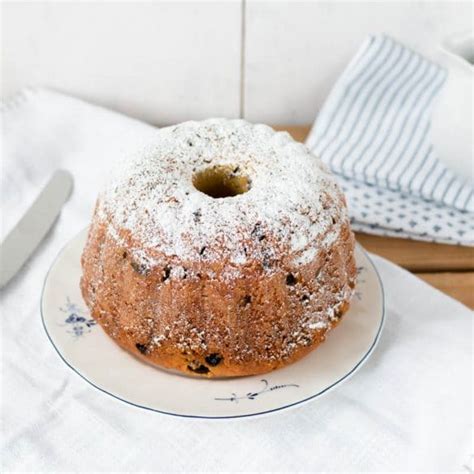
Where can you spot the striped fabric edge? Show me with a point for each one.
(375, 125)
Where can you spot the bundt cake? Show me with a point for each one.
(221, 249)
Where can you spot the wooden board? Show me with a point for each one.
(450, 268)
(458, 285)
(418, 256)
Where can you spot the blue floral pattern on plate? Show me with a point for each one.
(360, 271)
(77, 320)
(253, 395)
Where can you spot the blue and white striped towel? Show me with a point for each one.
(374, 133)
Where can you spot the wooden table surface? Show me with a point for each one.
(450, 268)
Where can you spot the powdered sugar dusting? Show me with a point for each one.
(293, 202)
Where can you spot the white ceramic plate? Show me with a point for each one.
(96, 358)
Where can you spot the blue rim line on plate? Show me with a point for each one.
(284, 407)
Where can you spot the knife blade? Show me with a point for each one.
(25, 237)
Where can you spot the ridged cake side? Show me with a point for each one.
(257, 292)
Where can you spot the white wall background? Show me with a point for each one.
(169, 61)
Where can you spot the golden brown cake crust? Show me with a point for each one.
(204, 310)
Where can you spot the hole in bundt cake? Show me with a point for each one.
(221, 181)
(213, 359)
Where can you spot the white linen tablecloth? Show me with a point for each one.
(408, 409)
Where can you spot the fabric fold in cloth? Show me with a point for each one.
(374, 133)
